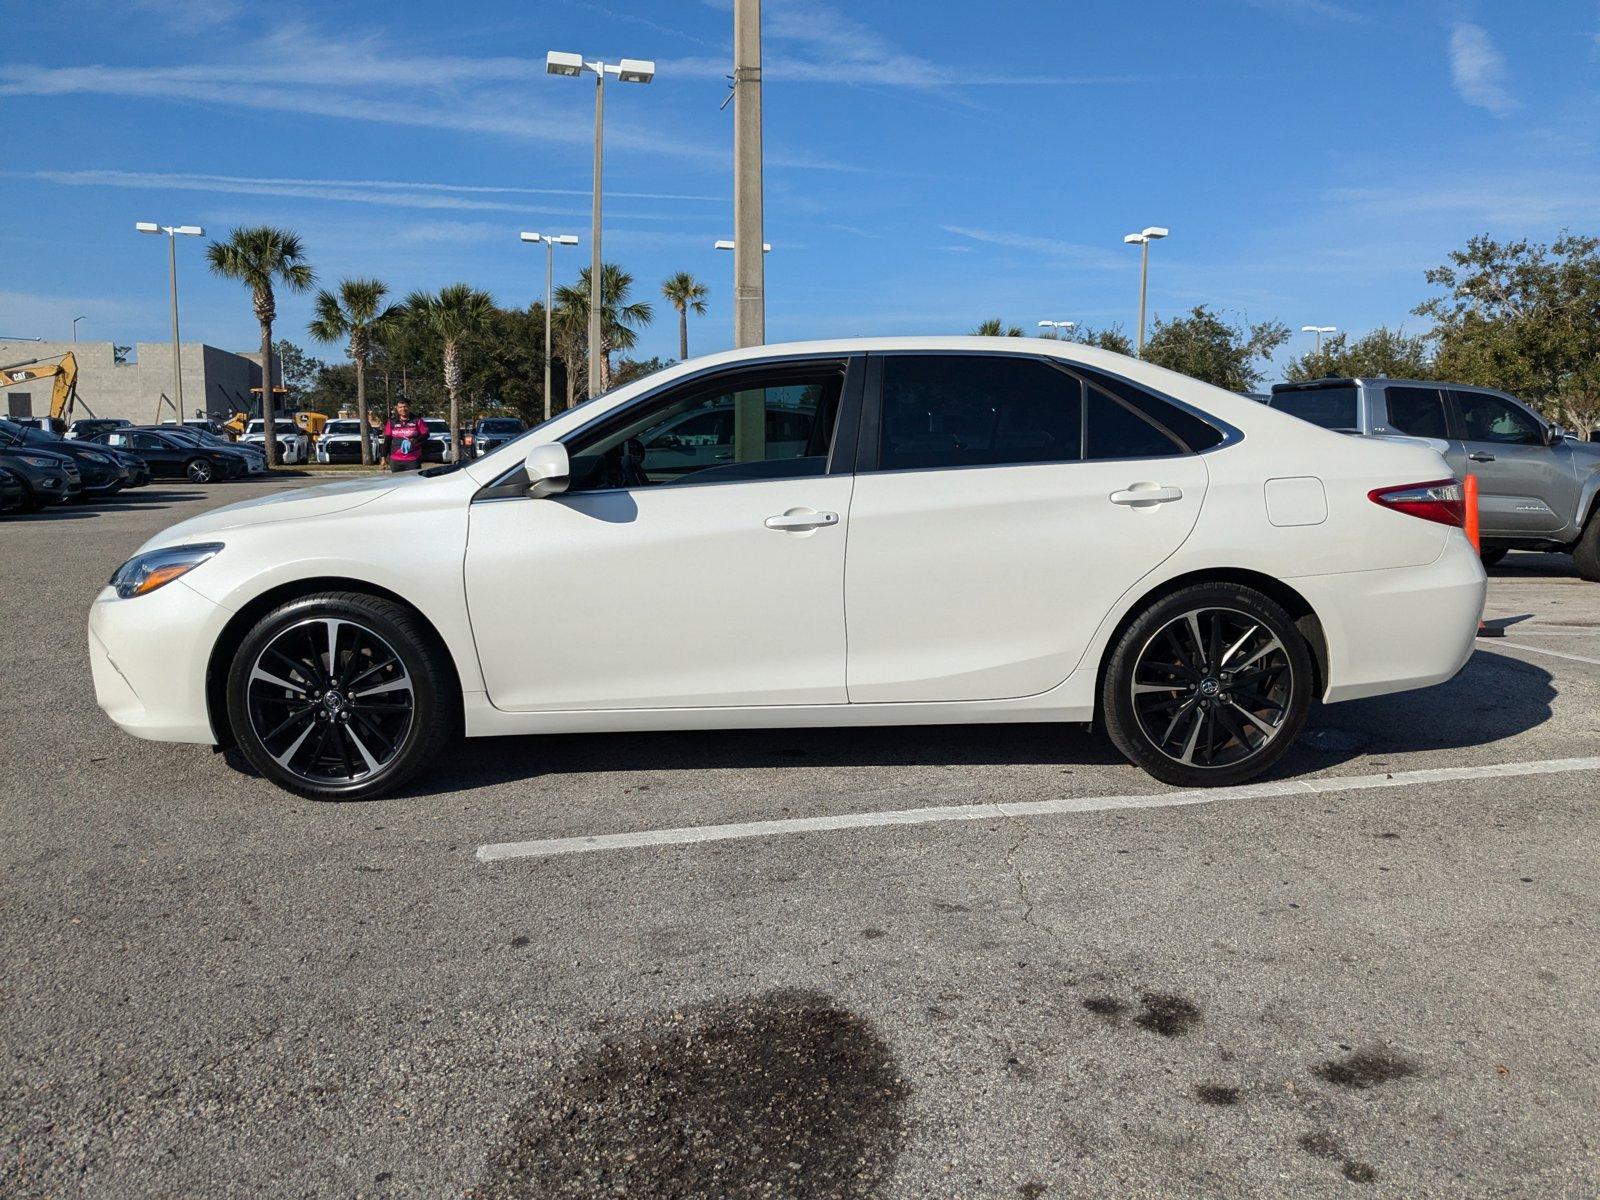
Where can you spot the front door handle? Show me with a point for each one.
(800, 521)
(1481, 456)
(1147, 495)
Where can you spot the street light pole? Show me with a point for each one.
(628, 70)
(172, 232)
(749, 268)
(1143, 240)
(551, 241)
(75, 321)
(1058, 326)
(1319, 330)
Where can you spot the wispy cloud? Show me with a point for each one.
(1309, 8)
(1095, 257)
(387, 194)
(1479, 70)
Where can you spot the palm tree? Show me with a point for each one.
(684, 292)
(618, 319)
(995, 327)
(355, 313)
(257, 257)
(568, 331)
(452, 314)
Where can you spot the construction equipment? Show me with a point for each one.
(64, 387)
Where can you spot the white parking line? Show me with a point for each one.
(552, 847)
(1502, 645)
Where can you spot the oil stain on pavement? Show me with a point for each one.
(784, 1093)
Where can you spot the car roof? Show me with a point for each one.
(1375, 381)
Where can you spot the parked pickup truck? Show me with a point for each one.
(1537, 486)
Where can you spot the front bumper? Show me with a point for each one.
(1399, 629)
(148, 656)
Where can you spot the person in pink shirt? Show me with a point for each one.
(403, 438)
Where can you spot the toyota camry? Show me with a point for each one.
(868, 532)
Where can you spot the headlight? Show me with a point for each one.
(35, 461)
(146, 572)
(94, 457)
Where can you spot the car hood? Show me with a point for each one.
(37, 450)
(297, 505)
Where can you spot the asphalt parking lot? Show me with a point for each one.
(1319, 987)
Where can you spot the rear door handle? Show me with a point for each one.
(1142, 495)
(793, 521)
(1481, 456)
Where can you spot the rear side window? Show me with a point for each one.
(963, 410)
(1417, 411)
(1116, 431)
(1332, 408)
(1189, 431)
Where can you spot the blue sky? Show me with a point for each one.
(929, 162)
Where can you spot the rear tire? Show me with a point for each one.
(1586, 554)
(340, 696)
(1208, 686)
(1491, 555)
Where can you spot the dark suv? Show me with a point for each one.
(1538, 487)
(100, 474)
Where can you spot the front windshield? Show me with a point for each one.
(500, 425)
(10, 434)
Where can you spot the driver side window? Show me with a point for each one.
(1486, 418)
(775, 423)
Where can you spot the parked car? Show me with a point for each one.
(490, 433)
(100, 474)
(341, 442)
(171, 456)
(138, 470)
(437, 448)
(1038, 531)
(47, 477)
(210, 425)
(53, 425)
(87, 427)
(255, 458)
(293, 445)
(1538, 489)
(13, 492)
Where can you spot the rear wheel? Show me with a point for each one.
(1491, 555)
(1209, 686)
(340, 696)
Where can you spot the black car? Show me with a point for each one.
(255, 459)
(174, 457)
(47, 478)
(87, 427)
(491, 433)
(99, 473)
(138, 470)
(13, 492)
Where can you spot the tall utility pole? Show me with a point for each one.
(749, 267)
(172, 232)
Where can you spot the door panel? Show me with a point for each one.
(661, 597)
(987, 583)
(1524, 486)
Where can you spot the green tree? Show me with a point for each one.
(686, 294)
(351, 315)
(1206, 347)
(620, 321)
(505, 366)
(1523, 317)
(995, 327)
(1384, 351)
(260, 257)
(629, 369)
(297, 371)
(452, 315)
(1111, 338)
(569, 335)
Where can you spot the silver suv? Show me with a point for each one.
(1537, 485)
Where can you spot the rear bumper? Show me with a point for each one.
(148, 656)
(1400, 629)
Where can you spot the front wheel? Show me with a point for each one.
(1209, 686)
(1586, 554)
(199, 470)
(340, 696)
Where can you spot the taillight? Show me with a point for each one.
(1441, 501)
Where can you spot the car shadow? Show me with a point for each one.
(1493, 698)
(1526, 563)
(123, 501)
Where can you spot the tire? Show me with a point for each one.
(1185, 726)
(321, 741)
(1491, 555)
(1586, 554)
(199, 470)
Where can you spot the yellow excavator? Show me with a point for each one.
(64, 385)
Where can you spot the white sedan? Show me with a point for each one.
(1036, 531)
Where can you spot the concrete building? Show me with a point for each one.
(216, 382)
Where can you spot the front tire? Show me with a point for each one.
(1208, 686)
(340, 696)
(199, 470)
(1586, 554)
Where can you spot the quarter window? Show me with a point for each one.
(1417, 411)
(1486, 418)
(774, 424)
(977, 410)
(1117, 431)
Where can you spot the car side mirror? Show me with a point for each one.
(1553, 435)
(548, 470)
